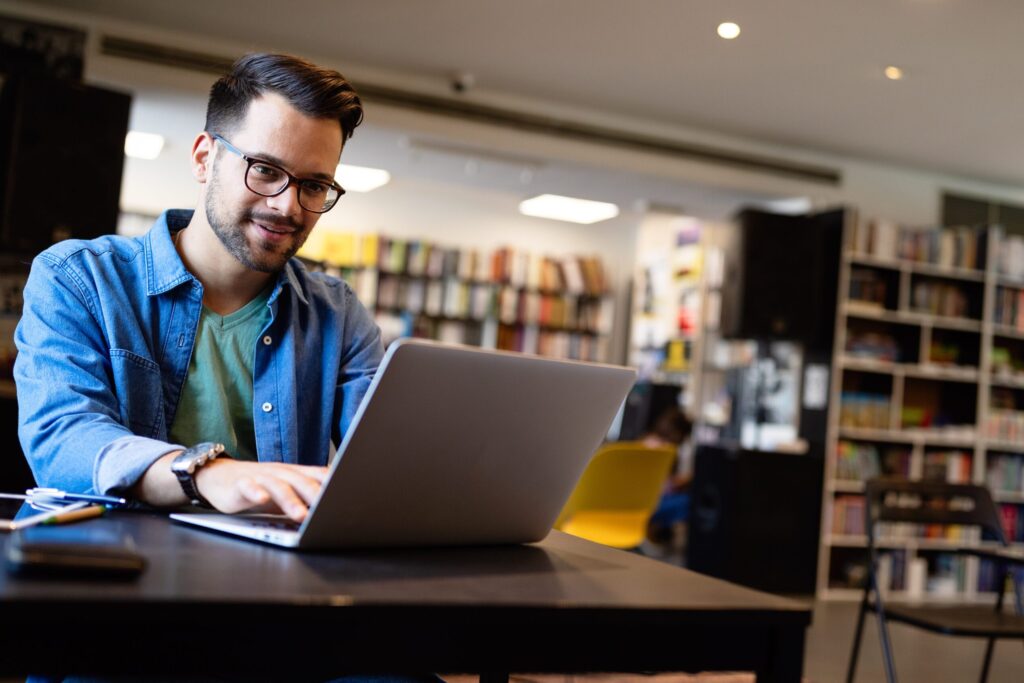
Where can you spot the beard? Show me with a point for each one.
(264, 256)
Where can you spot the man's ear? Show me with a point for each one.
(202, 156)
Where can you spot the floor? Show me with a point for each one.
(920, 657)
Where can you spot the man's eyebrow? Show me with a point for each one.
(278, 162)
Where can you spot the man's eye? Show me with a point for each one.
(265, 172)
(313, 187)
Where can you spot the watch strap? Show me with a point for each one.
(188, 485)
(204, 453)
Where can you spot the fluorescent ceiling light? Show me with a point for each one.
(143, 145)
(893, 73)
(360, 178)
(569, 209)
(728, 30)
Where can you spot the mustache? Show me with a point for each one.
(271, 219)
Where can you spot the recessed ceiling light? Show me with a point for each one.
(360, 178)
(571, 209)
(728, 30)
(143, 145)
(893, 73)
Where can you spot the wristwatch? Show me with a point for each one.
(191, 459)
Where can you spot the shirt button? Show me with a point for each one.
(267, 340)
(267, 407)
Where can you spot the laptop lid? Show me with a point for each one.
(456, 445)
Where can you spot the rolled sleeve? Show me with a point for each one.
(69, 421)
(122, 462)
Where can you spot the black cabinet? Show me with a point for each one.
(755, 518)
(61, 160)
(781, 279)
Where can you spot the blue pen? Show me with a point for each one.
(57, 494)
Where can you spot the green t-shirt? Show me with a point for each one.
(216, 401)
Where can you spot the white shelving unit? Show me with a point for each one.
(893, 382)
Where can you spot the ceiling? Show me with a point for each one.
(802, 72)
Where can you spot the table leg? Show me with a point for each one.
(786, 657)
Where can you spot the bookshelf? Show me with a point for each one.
(929, 383)
(510, 299)
(668, 305)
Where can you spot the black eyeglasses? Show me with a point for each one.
(269, 180)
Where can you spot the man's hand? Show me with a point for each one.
(237, 486)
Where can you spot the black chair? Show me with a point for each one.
(925, 502)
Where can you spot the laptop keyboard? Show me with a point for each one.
(282, 524)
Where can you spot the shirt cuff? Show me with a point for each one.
(122, 462)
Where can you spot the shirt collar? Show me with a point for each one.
(165, 270)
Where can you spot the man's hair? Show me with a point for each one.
(313, 90)
(672, 426)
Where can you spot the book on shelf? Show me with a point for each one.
(868, 288)
(1009, 307)
(482, 304)
(435, 262)
(520, 268)
(551, 275)
(456, 299)
(937, 298)
(949, 247)
(369, 244)
(508, 305)
(848, 520)
(340, 249)
(858, 461)
(415, 296)
(393, 251)
(1011, 258)
(531, 307)
(848, 515)
(947, 576)
(864, 410)
(451, 332)
(1005, 472)
(423, 289)
(1012, 518)
(467, 265)
(434, 298)
(416, 258)
(870, 345)
(1005, 425)
(366, 287)
(953, 467)
(534, 271)
(450, 263)
(573, 275)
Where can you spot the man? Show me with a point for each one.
(141, 361)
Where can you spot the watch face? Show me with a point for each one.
(195, 456)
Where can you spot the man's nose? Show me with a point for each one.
(287, 202)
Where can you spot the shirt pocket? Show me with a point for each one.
(139, 389)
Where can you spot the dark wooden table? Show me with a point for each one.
(213, 604)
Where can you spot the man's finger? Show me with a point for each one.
(312, 471)
(307, 488)
(253, 492)
(284, 496)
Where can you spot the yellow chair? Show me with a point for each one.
(617, 494)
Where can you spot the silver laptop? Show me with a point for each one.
(453, 445)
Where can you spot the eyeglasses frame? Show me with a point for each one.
(292, 180)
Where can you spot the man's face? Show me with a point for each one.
(262, 233)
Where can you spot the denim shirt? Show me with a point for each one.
(105, 341)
